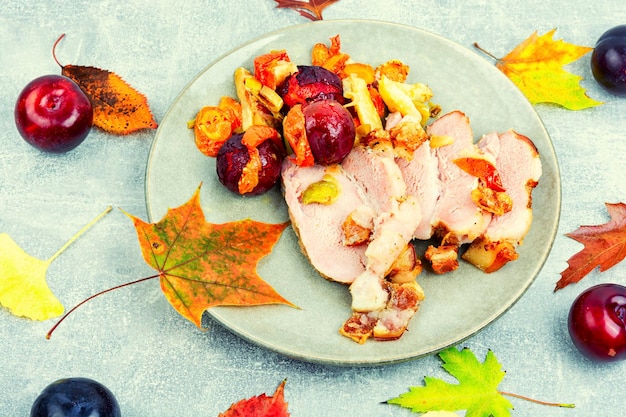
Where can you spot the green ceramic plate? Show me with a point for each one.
(457, 305)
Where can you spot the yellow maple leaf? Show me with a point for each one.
(24, 290)
(536, 67)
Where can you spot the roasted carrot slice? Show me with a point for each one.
(250, 173)
(363, 71)
(233, 108)
(212, 128)
(295, 133)
(257, 134)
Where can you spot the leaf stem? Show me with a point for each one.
(532, 400)
(484, 51)
(79, 233)
(49, 334)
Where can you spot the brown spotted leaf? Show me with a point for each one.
(311, 9)
(118, 107)
(202, 265)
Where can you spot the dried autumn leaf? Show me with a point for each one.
(605, 246)
(536, 67)
(311, 9)
(202, 265)
(23, 286)
(260, 406)
(117, 107)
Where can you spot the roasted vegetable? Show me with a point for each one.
(260, 105)
(211, 128)
(356, 90)
(408, 99)
(272, 68)
(489, 256)
(394, 70)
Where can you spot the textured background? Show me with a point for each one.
(156, 362)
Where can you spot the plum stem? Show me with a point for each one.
(532, 400)
(79, 233)
(54, 47)
(49, 334)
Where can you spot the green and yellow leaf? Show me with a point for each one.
(477, 390)
(536, 67)
(202, 265)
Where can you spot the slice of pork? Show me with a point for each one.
(519, 167)
(369, 182)
(318, 226)
(398, 215)
(456, 216)
(395, 222)
(421, 175)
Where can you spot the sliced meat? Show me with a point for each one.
(371, 191)
(421, 175)
(456, 217)
(520, 168)
(393, 231)
(385, 201)
(377, 174)
(397, 217)
(369, 183)
(381, 307)
(318, 226)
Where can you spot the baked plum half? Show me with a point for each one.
(321, 132)
(249, 163)
(330, 131)
(308, 84)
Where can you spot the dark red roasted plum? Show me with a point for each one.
(330, 131)
(310, 83)
(233, 156)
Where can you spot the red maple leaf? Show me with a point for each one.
(260, 406)
(311, 9)
(605, 246)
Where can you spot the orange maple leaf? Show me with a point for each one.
(117, 107)
(260, 406)
(311, 9)
(536, 67)
(605, 246)
(202, 265)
